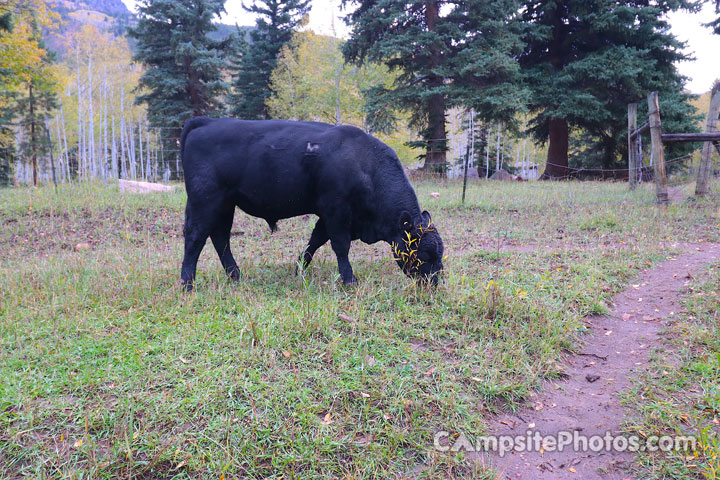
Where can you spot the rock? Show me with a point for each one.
(502, 175)
(82, 246)
(133, 186)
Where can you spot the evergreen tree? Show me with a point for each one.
(35, 101)
(715, 24)
(184, 74)
(277, 19)
(587, 59)
(461, 57)
(7, 146)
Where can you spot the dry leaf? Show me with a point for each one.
(78, 443)
(364, 395)
(184, 361)
(286, 354)
(370, 361)
(182, 464)
(328, 419)
(430, 372)
(572, 470)
(608, 332)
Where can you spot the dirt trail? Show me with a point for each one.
(616, 344)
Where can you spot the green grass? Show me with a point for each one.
(108, 370)
(680, 393)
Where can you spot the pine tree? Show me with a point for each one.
(277, 19)
(461, 57)
(587, 59)
(715, 24)
(184, 74)
(36, 103)
(27, 79)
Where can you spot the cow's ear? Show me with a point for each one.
(426, 216)
(406, 222)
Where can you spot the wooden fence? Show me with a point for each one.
(658, 139)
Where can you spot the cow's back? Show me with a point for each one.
(273, 168)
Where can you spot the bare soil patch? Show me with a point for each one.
(587, 401)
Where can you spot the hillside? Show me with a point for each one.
(110, 16)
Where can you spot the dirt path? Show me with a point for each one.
(616, 344)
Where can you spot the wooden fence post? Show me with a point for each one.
(657, 147)
(632, 149)
(701, 186)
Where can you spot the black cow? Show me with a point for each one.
(275, 169)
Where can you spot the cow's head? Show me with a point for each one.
(419, 252)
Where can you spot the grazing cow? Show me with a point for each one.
(275, 169)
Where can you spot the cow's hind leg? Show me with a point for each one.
(197, 229)
(318, 238)
(220, 236)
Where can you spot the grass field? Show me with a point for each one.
(108, 370)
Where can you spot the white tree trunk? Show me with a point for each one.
(81, 132)
(123, 165)
(105, 130)
(91, 121)
(113, 152)
(497, 151)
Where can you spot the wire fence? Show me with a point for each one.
(146, 152)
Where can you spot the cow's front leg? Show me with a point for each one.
(341, 246)
(318, 238)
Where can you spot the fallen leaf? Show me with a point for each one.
(78, 443)
(571, 469)
(608, 332)
(82, 246)
(328, 419)
(364, 395)
(182, 464)
(430, 372)
(286, 354)
(184, 361)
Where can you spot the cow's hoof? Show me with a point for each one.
(351, 282)
(186, 286)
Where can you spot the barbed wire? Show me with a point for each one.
(642, 167)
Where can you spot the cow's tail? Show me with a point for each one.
(189, 126)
